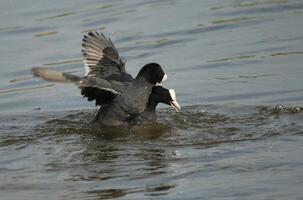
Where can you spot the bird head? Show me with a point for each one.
(153, 73)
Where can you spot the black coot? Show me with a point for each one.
(121, 97)
(158, 95)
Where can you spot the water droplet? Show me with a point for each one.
(296, 109)
(202, 111)
(279, 107)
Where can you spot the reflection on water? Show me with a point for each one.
(57, 16)
(98, 29)
(251, 4)
(46, 34)
(62, 62)
(232, 56)
(18, 90)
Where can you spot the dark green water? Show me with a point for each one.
(231, 63)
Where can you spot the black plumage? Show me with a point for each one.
(106, 81)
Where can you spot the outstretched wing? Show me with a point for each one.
(101, 59)
(99, 84)
(100, 56)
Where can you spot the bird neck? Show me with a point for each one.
(142, 82)
(149, 113)
(142, 79)
(151, 105)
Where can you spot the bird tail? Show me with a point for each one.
(55, 76)
(63, 77)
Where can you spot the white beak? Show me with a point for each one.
(174, 103)
(162, 81)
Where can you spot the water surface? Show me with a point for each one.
(233, 64)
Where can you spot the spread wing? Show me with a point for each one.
(101, 59)
(100, 56)
(99, 84)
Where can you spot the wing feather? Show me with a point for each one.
(100, 56)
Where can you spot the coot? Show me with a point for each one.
(106, 81)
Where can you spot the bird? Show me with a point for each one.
(159, 95)
(106, 81)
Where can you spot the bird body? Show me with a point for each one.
(124, 107)
(122, 98)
